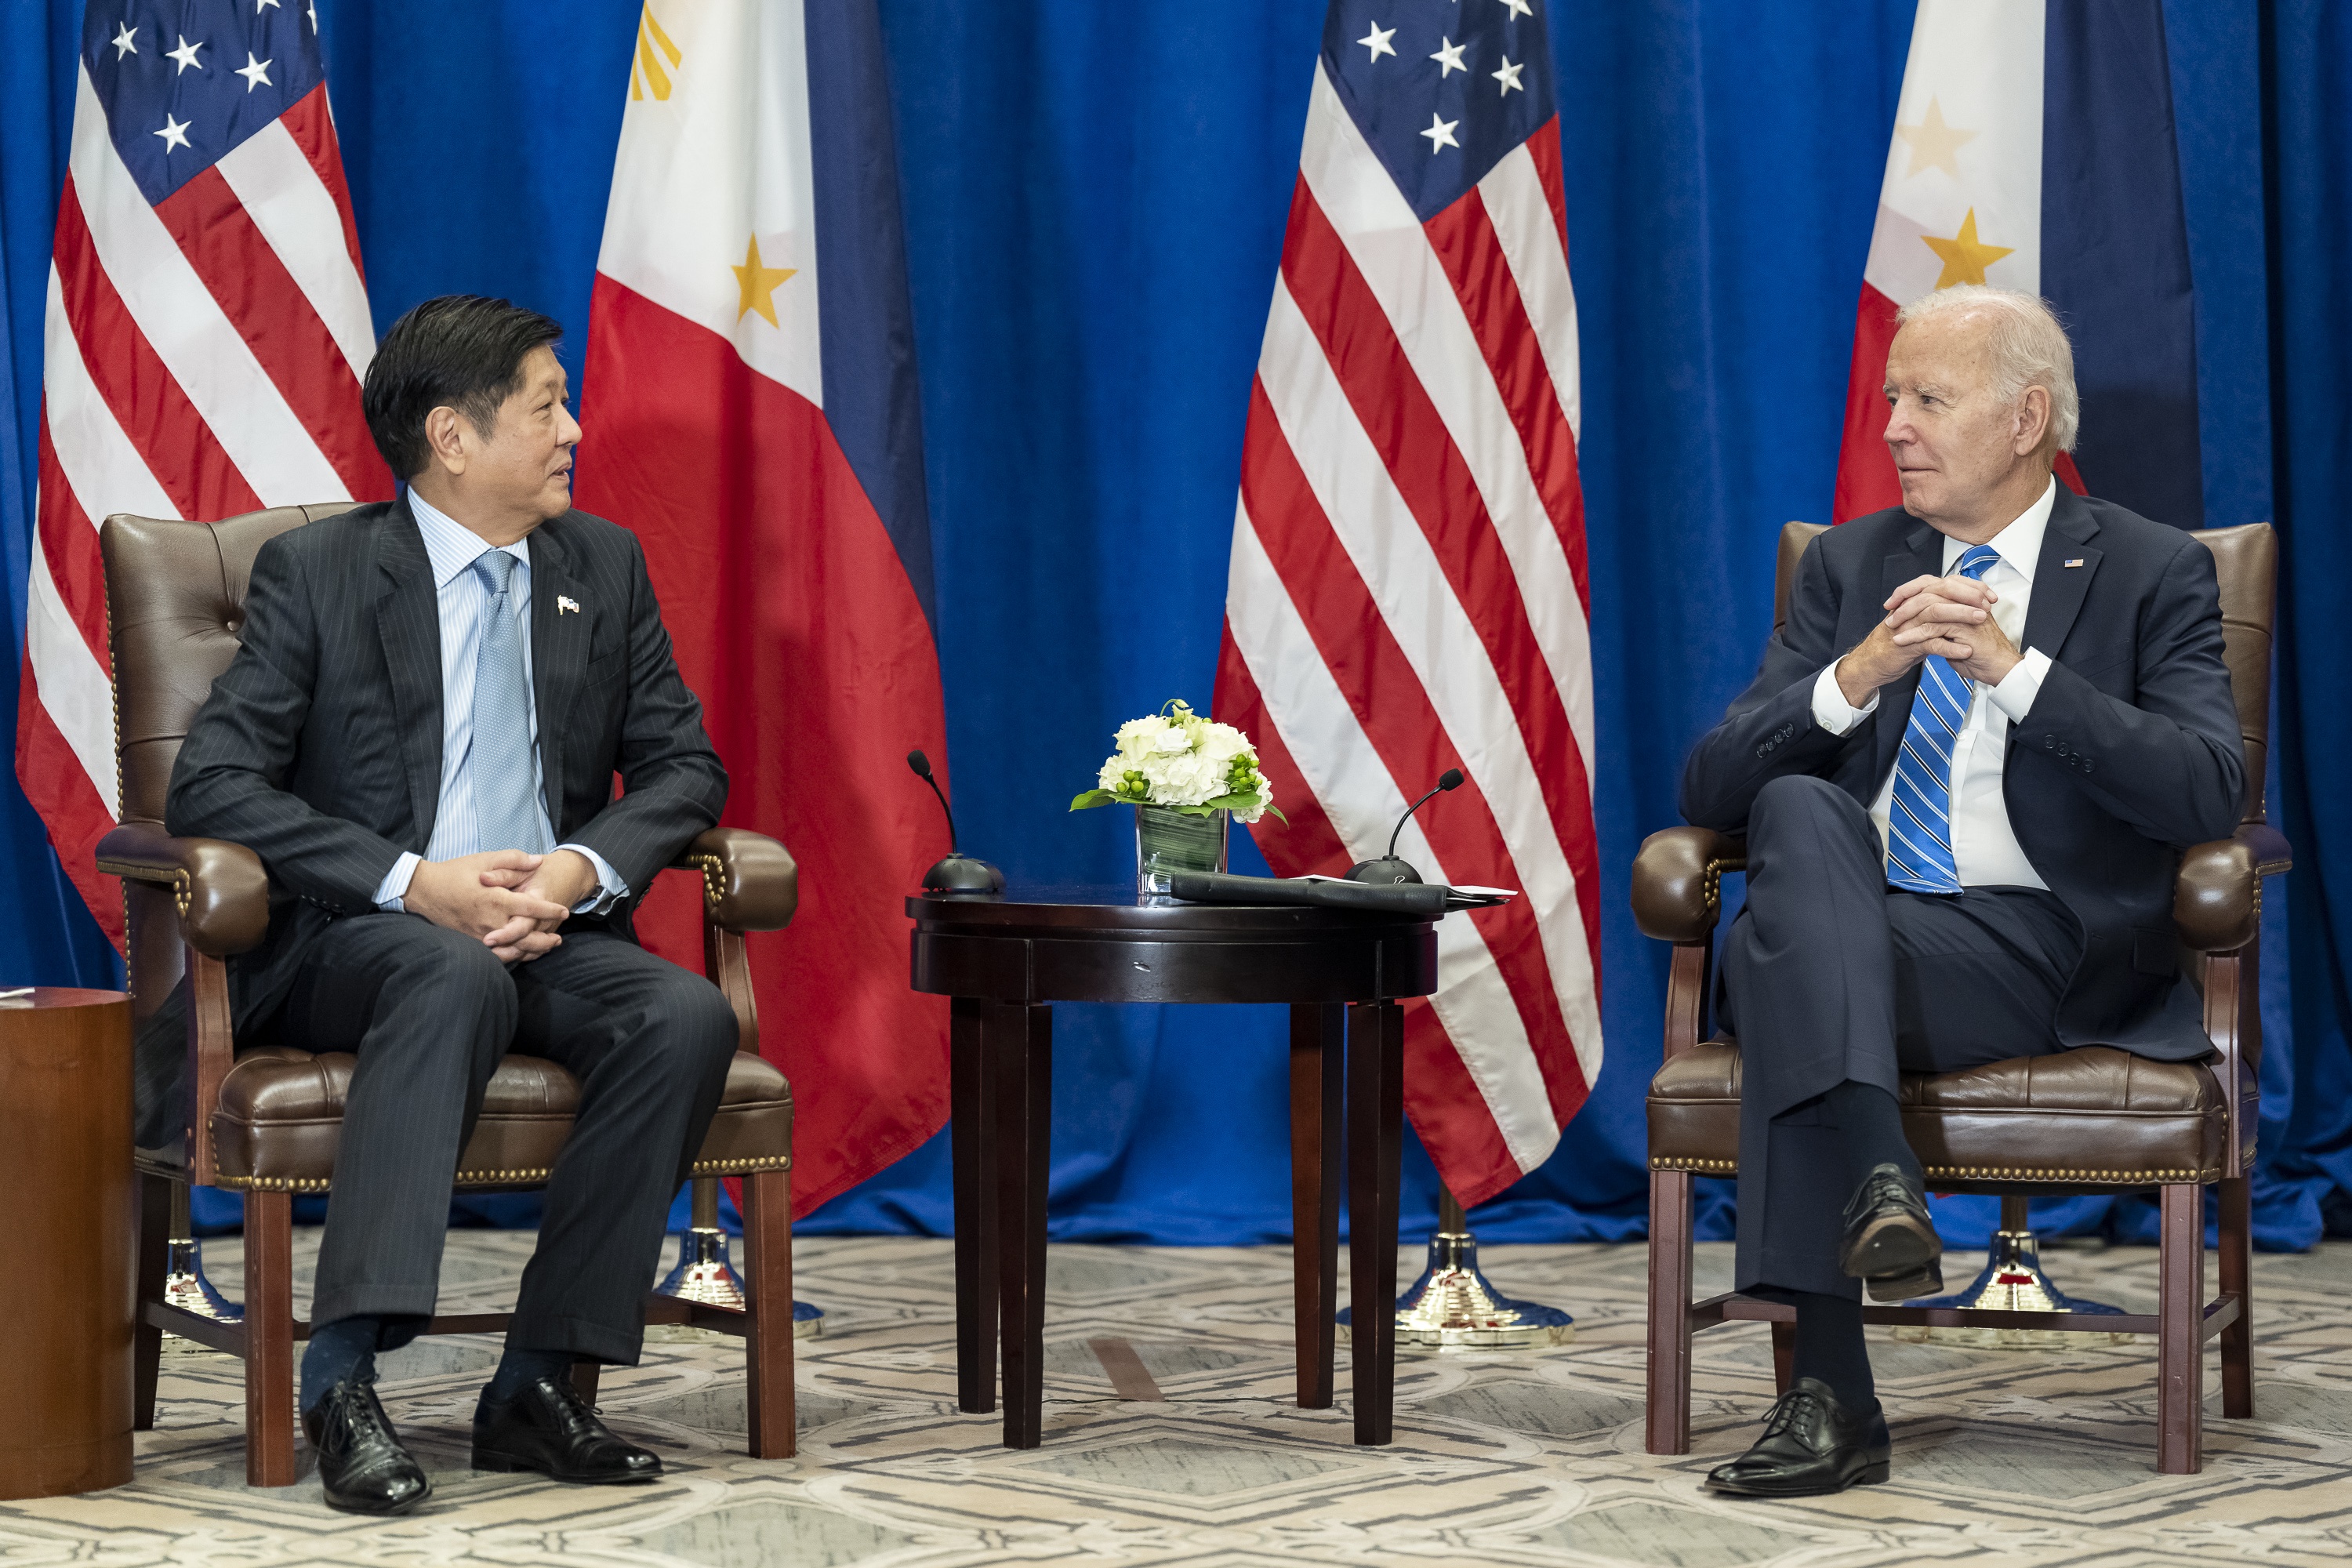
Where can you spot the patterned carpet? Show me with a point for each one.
(1505, 1459)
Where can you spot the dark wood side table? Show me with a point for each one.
(64, 1165)
(1004, 961)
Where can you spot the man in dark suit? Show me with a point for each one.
(419, 737)
(1966, 770)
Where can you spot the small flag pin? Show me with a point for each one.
(2072, 561)
(569, 606)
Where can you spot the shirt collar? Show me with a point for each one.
(2020, 544)
(451, 546)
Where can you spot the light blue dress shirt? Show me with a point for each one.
(453, 548)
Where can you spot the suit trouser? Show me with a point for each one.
(1829, 975)
(429, 1013)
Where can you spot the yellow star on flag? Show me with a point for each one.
(1965, 258)
(759, 282)
(1933, 143)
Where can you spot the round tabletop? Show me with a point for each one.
(1098, 944)
(59, 996)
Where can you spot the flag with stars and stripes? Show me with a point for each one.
(1408, 589)
(206, 331)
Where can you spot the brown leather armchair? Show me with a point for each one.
(2094, 1119)
(266, 1121)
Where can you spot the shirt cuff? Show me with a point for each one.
(2016, 691)
(610, 889)
(394, 886)
(1831, 712)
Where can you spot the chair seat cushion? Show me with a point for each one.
(2095, 1116)
(281, 1111)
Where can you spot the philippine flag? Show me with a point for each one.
(750, 404)
(2033, 149)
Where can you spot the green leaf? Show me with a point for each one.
(1094, 797)
(1277, 815)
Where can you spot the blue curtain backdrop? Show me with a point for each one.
(1094, 201)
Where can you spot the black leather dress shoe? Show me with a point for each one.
(1812, 1445)
(1891, 1245)
(360, 1461)
(549, 1428)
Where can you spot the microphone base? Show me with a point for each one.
(1386, 871)
(961, 877)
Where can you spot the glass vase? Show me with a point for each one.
(1168, 840)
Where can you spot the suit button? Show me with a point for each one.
(2049, 742)
(1761, 750)
(2086, 764)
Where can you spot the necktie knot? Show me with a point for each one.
(1976, 560)
(497, 570)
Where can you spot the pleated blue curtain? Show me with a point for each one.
(1095, 197)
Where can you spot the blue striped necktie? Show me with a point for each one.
(1919, 821)
(507, 814)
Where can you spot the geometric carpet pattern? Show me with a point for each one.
(1519, 1458)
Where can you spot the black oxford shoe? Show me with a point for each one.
(549, 1428)
(1890, 1244)
(1812, 1445)
(360, 1461)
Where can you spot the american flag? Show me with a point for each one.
(207, 330)
(1408, 590)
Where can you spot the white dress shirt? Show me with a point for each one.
(453, 548)
(1985, 851)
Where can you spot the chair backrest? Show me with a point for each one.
(175, 602)
(2245, 559)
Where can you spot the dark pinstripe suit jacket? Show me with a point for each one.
(320, 747)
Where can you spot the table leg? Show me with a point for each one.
(1375, 1146)
(973, 1140)
(1318, 1034)
(1020, 1063)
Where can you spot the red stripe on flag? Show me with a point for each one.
(1413, 443)
(1544, 148)
(69, 805)
(1394, 712)
(1302, 840)
(311, 124)
(70, 544)
(170, 435)
(272, 313)
(1467, 247)
(1448, 1111)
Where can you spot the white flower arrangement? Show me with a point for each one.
(1187, 763)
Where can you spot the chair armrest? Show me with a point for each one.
(2217, 899)
(221, 889)
(1678, 881)
(749, 880)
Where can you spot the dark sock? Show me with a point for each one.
(1830, 1346)
(1871, 1125)
(344, 1348)
(520, 1368)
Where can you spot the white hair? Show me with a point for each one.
(2029, 347)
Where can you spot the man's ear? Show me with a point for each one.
(2032, 426)
(445, 434)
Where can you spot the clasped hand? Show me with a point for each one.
(1949, 617)
(511, 902)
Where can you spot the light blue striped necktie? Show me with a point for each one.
(507, 814)
(1919, 822)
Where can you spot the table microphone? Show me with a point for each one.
(1388, 868)
(958, 876)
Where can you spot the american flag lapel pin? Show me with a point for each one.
(569, 606)
(2071, 560)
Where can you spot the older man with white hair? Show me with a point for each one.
(1965, 771)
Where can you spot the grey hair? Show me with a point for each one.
(2029, 347)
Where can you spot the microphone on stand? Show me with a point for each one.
(1388, 868)
(958, 876)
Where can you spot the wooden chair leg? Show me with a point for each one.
(2237, 1280)
(768, 1346)
(1670, 1294)
(2180, 1331)
(154, 1263)
(1784, 1356)
(269, 1338)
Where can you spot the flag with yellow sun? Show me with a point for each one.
(2033, 149)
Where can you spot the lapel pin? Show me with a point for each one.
(567, 606)
(2076, 560)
